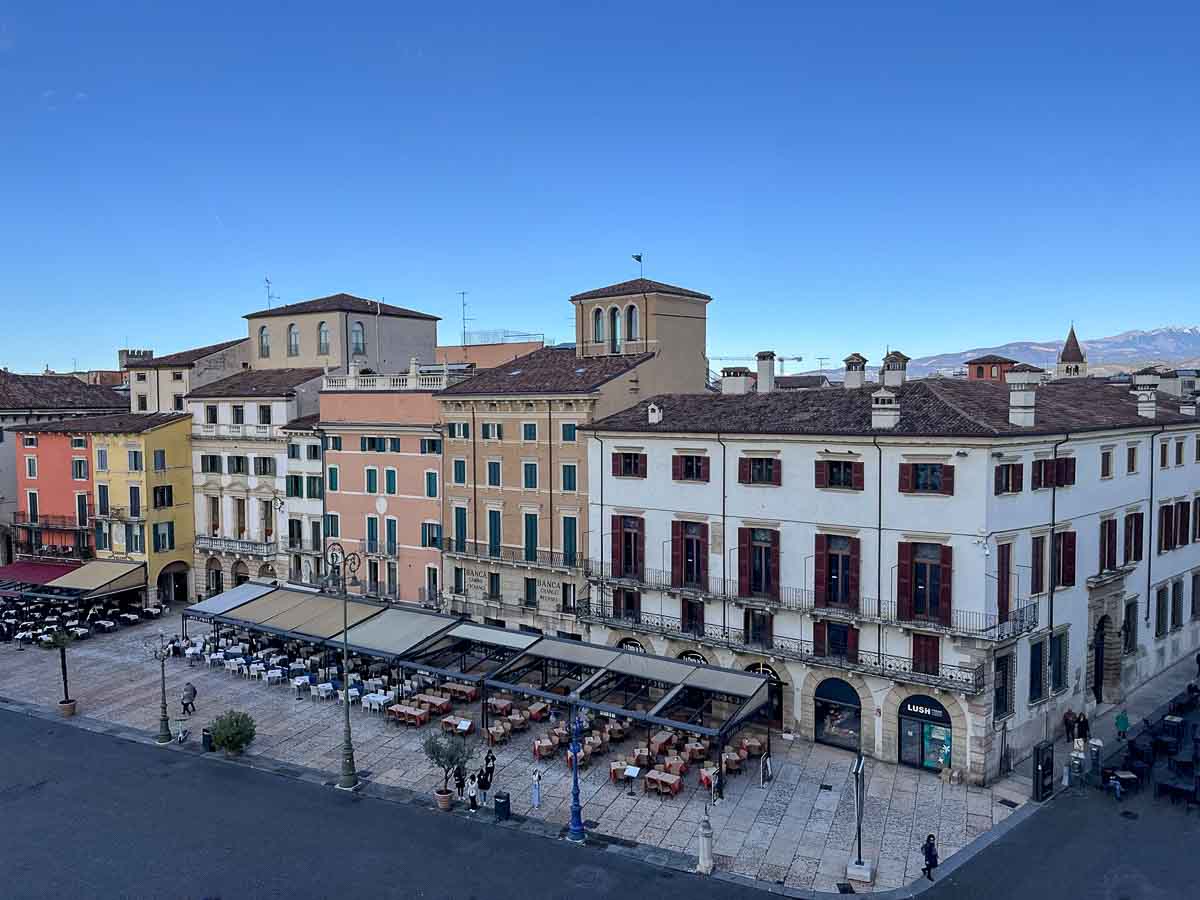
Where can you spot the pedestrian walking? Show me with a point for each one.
(485, 785)
(929, 851)
(537, 789)
(460, 780)
(473, 793)
(1069, 724)
(188, 700)
(1122, 723)
(1083, 728)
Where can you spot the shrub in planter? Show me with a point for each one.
(447, 752)
(232, 732)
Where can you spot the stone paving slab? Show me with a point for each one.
(791, 836)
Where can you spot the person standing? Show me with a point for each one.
(489, 764)
(473, 793)
(485, 784)
(1083, 728)
(1069, 720)
(537, 789)
(188, 700)
(460, 780)
(929, 851)
(1122, 723)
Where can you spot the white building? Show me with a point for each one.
(936, 570)
(301, 540)
(240, 468)
(160, 384)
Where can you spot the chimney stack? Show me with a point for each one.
(735, 380)
(654, 414)
(1022, 383)
(1147, 404)
(1145, 389)
(856, 371)
(895, 369)
(766, 371)
(1187, 406)
(885, 411)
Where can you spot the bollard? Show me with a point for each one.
(705, 865)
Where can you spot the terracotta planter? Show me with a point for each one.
(66, 708)
(443, 799)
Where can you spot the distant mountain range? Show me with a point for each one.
(1177, 345)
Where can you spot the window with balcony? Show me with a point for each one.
(531, 536)
(214, 516)
(460, 528)
(923, 582)
(689, 554)
(689, 467)
(926, 654)
(628, 547)
(391, 544)
(1004, 580)
(835, 640)
(570, 527)
(358, 339)
(836, 561)
(629, 465)
(692, 616)
(760, 470)
(494, 532)
(238, 413)
(758, 627)
(627, 605)
(758, 562)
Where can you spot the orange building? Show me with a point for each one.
(54, 495)
(989, 368)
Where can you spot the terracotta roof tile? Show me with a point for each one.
(56, 392)
(639, 286)
(258, 383)
(121, 423)
(183, 357)
(342, 303)
(551, 370)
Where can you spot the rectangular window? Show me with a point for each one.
(1048, 473)
(689, 467)
(926, 654)
(389, 481)
(239, 414)
(29, 440)
(81, 510)
(1129, 645)
(102, 499)
(264, 465)
(314, 484)
(431, 446)
(164, 536)
(1183, 526)
(531, 592)
(493, 431)
(160, 460)
(1176, 605)
(264, 414)
(135, 502)
(493, 473)
(136, 463)
(629, 465)
(102, 536)
(1134, 537)
(459, 471)
(568, 597)
(335, 442)
(431, 534)
(927, 577)
(493, 588)
(1058, 662)
(177, 376)
(78, 442)
(494, 544)
(373, 444)
(313, 452)
(1064, 557)
(163, 496)
(1009, 478)
(838, 564)
(568, 477)
(1002, 687)
(210, 463)
(760, 470)
(529, 431)
(1179, 444)
(458, 430)
(927, 477)
(1162, 602)
(531, 537)
(530, 476)
(431, 484)
(841, 473)
(142, 405)
(31, 467)
(1037, 672)
(210, 414)
(333, 525)
(394, 445)
(1105, 469)
(1166, 528)
(1196, 595)
(570, 527)
(694, 554)
(460, 528)
(371, 477)
(568, 432)
(135, 538)
(460, 580)
(1037, 578)
(389, 534)
(79, 470)
(294, 485)
(1108, 545)
(293, 451)
(141, 377)
(332, 474)
(1131, 459)
(237, 465)
(1004, 580)
(177, 402)
(101, 460)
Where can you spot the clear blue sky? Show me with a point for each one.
(838, 176)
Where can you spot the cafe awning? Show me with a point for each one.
(395, 631)
(103, 577)
(219, 604)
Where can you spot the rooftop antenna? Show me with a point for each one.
(270, 296)
(462, 295)
(821, 360)
(638, 258)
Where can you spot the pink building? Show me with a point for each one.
(384, 477)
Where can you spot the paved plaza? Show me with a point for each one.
(799, 831)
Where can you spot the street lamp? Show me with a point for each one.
(575, 833)
(160, 651)
(335, 558)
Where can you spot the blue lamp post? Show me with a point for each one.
(575, 832)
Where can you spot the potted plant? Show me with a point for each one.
(61, 640)
(232, 732)
(447, 752)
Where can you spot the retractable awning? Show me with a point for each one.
(103, 577)
(220, 604)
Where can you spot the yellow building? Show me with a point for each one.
(142, 468)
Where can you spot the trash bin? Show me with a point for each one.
(503, 805)
(206, 740)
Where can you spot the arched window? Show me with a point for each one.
(631, 645)
(614, 327)
(214, 576)
(264, 342)
(241, 573)
(631, 323)
(323, 339)
(358, 339)
(293, 341)
(598, 327)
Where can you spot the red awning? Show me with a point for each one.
(32, 573)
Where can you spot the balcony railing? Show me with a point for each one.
(23, 519)
(233, 545)
(301, 545)
(122, 514)
(555, 559)
(966, 622)
(969, 679)
(54, 551)
(386, 549)
(409, 381)
(624, 348)
(225, 431)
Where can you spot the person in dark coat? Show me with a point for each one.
(1069, 720)
(460, 780)
(929, 851)
(489, 764)
(1083, 728)
(485, 785)
(188, 700)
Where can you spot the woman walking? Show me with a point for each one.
(1122, 723)
(1083, 728)
(537, 789)
(929, 851)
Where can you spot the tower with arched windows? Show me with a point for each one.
(1072, 361)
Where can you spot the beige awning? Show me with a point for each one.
(395, 631)
(257, 611)
(104, 576)
(328, 622)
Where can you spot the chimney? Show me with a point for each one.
(1146, 380)
(895, 369)
(1147, 403)
(654, 414)
(735, 380)
(1187, 406)
(885, 411)
(856, 371)
(766, 371)
(1022, 404)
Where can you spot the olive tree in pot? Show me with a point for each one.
(232, 732)
(60, 640)
(447, 752)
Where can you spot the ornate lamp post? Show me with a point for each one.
(575, 832)
(336, 557)
(160, 651)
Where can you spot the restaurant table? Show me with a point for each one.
(663, 782)
(325, 690)
(274, 676)
(499, 705)
(707, 774)
(733, 762)
(676, 765)
(465, 692)
(537, 711)
(439, 705)
(409, 715)
(543, 747)
(661, 741)
(518, 721)
(641, 755)
(753, 746)
(694, 751)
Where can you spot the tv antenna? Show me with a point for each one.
(821, 360)
(270, 296)
(462, 295)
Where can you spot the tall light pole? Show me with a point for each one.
(575, 832)
(335, 558)
(160, 651)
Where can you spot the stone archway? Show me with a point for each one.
(807, 716)
(172, 583)
(890, 709)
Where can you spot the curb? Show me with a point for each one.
(655, 856)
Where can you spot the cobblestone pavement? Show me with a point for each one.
(799, 831)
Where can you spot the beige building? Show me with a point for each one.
(160, 384)
(340, 331)
(514, 506)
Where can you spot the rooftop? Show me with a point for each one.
(121, 423)
(341, 303)
(941, 407)
(1026, 367)
(990, 359)
(551, 370)
(304, 423)
(1071, 353)
(639, 286)
(258, 383)
(56, 392)
(182, 358)
(800, 382)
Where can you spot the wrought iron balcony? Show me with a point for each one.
(551, 559)
(234, 545)
(301, 545)
(78, 552)
(23, 519)
(969, 679)
(591, 349)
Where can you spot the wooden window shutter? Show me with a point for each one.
(744, 562)
(777, 473)
(1068, 560)
(1139, 535)
(856, 476)
(820, 639)
(820, 570)
(1018, 478)
(616, 463)
(1165, 521)
(676, 554)
(948, 480)
(1037, 578)
(1103, 545)
(852, 645)
(1038, 474)
(746, 625)
(821, 474)
(1196, 517)
(1128, 555)
(616, 545)
(1070, 470)
(904, 598)
(703, 561)
(1110, 543)
(1003, 580)
(704, 468)
(677, 468)
(855, 565)
(774, 565)
(641, 551)
(1183, 528)
(744, 470)
(998, 481)
(946, 596)
(906, 478)
(641, 465)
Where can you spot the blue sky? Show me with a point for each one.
(838, 176)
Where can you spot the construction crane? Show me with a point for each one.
(752, 358)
